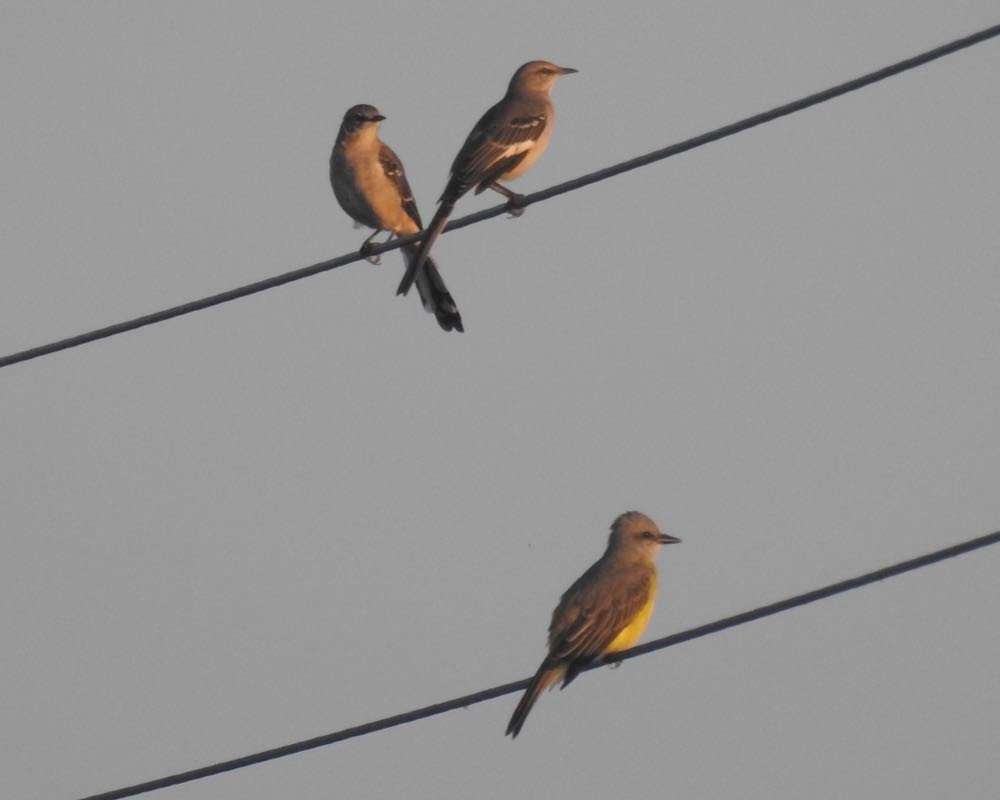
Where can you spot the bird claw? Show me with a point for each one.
(366, 253)
(515, 205)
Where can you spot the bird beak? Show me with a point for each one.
(377, 118)
(568, 70)
(666, 538)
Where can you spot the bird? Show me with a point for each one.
(370, 184)
(604, 612)
(507, 140)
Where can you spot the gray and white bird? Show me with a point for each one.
(370, 184)
(504, 143)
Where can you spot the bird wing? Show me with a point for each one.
(595, 610)
(393, 169)
(496, 145)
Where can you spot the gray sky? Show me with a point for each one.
(312, 508)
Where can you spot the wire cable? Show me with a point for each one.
(508, 688)
(528, 199)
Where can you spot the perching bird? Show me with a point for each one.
(504, 143)
(605, 611)
(370, 184)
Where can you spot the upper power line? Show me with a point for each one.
(529, 199)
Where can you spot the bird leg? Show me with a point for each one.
(515, 201)
(366, 248)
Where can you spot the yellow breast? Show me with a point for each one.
(630, 633)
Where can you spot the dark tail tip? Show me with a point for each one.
(449, 320)
(543, 678)
(514, 728)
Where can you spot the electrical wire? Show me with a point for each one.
(508, 688)
(529, 199)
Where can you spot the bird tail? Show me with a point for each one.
(544, 678)
(433, 292)
(435, 228)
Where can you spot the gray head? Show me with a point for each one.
(636, 531)
(357, 117)
(537, 76)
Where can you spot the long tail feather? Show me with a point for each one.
(433, 230)
(434, 294)
(543, 679)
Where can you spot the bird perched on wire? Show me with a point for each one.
(604, 612)
(370, 184)
(504, 143)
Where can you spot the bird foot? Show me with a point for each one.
(366, 253)
(515, 205)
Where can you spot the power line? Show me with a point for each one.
(508, 688)
(529, 199)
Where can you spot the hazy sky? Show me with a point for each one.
(312, 508)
